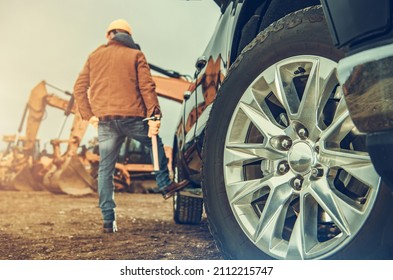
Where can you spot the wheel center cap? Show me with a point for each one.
(301, 157)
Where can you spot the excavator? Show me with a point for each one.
(23, 166)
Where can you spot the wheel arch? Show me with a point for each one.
(255, 16)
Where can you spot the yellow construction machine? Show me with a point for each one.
(24, 167)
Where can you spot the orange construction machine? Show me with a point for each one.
(24, 167)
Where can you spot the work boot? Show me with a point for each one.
(109, 227)
(170, 190)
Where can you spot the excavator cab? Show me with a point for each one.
(14, 162)
(136, 159)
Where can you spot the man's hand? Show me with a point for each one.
(154, 127)
(94, 122)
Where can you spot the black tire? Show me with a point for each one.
(298, 34)
(187, 209)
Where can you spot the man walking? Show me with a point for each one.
(115, 85)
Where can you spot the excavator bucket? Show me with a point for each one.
(24, 181)
(15, 170)
(72, 178)
(20, 181)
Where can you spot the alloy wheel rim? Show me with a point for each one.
(298, 180)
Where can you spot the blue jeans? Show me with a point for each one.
(111, 135)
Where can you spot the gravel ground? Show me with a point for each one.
(39, 225)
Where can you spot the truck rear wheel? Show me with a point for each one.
(187, 209)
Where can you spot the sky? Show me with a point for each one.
(51, 39)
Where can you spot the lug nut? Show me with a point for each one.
(297, 183)
(303, 133)
(317, 171)
(283, 167)
(286, 143)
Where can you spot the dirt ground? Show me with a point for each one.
(39, 225)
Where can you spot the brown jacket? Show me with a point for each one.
(115, 80)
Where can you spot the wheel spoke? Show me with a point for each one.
(310, 102)
(319, 86)
(296, 243)
(264, 125)
(341, 126)
(273, 216)
(364, 173)
(244, 191)
(304, 234)
(344, 215)
(237, 154)
(286, 95)
(357, 164)
(341, 110)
